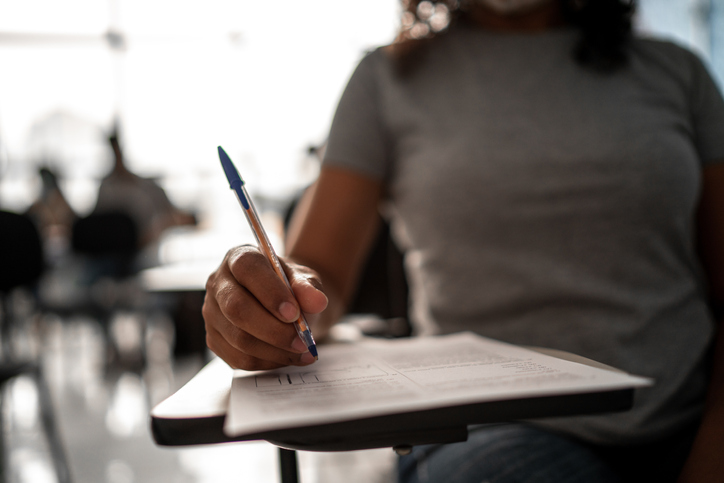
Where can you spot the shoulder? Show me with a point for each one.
(662, 46)
(375, 62)
(667, 56)
(372, 71)
(403, 58)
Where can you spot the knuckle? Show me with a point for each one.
(302, 274)
(304, 271)
(249, 267)
(211, 283)
(314, 281)
(280, 340)
(206, 312)
(235, 306)
(244, 257)
(282, 335)
(230, 253)
(257, 261)
(212, 344)
(287, 339)
(243, 340)
(207, 307)
(293, 359)
(235, 252)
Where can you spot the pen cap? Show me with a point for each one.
(232, 175)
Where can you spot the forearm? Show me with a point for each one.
(333, 227)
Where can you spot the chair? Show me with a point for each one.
(107, 247)
(383, 289)
(108, 239)
(21, 265)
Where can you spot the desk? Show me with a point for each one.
(180, 290)
(195, 415)
(178, 277)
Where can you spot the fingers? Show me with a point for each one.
(247, 311)
(247, 347)
(249, 362)
(250, 269)
(307, 288)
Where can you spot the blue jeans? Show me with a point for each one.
(520, 453)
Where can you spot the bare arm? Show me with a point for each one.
(332, 231)
(705, 463)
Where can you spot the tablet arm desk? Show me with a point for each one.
(195, 415)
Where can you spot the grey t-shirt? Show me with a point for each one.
(545, 204)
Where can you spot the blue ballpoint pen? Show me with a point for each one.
(237, 184)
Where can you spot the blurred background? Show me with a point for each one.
(99, 98)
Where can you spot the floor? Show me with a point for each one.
(102, 411)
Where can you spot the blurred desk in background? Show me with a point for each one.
(187, 256)
(178, 277)
(181, 289)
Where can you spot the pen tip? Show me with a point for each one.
(313, 351)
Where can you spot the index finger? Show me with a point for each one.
(254, 271)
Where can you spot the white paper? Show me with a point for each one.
(380, 377)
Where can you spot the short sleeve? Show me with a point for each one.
(707, 114)
(357, 138)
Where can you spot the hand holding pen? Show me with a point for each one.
(254, 316)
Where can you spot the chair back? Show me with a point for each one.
(105, 234)
(21, 252)
(108, 242)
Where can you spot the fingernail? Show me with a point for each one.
(289, 311)
(298, 345)
(306, 358)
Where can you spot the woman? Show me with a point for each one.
(553, 182)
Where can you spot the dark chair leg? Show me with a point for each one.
(288, 465)
(47, 418)
(3, 459)
(55, 444)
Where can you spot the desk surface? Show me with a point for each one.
(178, 277)
(195, 415)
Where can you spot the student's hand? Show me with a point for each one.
(249, 312)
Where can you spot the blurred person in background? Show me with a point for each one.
(143, 199)
(554, 180)
(53, 216)
(148, 206)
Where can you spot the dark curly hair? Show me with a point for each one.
(604, 25)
